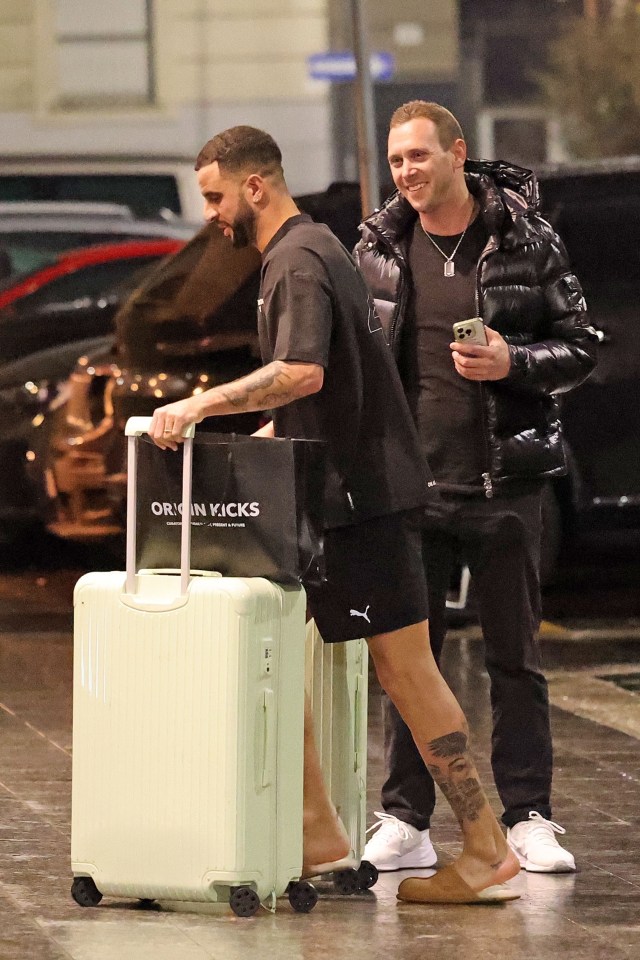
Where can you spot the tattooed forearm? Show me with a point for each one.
(236, 398)
(456, 776)
(250, 391)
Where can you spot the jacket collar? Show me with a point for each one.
(505, 192)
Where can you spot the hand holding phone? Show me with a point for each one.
(493, 362)
(470, 331)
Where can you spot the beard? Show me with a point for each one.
(244, 226)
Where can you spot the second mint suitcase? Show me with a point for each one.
(187, 736)
(336, 681)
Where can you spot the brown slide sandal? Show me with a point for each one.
(447, 886)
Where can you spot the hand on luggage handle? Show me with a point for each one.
(135, 427)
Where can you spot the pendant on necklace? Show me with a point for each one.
(449, 268)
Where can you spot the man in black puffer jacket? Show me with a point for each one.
(463, 239)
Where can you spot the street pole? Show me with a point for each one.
(365, 118)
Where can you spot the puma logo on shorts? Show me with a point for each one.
(356, 613)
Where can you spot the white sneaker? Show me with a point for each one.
(398, 846)
(533, 842)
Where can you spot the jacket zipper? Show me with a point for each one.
(487, 480)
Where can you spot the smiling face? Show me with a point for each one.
(226, 205)
(426, 174)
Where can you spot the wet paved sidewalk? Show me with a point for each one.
(593, 915)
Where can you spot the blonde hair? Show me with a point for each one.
(444, 121)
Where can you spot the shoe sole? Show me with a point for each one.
(560, 867)
(556, 868)
(406, 863)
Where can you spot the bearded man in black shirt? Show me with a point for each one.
(330, 376)
(461, 240)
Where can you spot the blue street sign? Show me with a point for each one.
(340, 66)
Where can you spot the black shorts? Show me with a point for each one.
(374, 579)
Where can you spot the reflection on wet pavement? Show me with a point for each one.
(592, 915)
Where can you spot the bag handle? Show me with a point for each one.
(134, 428)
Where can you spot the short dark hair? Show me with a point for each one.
(241, 148)
(446, 124)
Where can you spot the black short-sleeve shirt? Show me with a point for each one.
(314, 308)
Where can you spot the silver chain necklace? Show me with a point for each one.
(449, 266)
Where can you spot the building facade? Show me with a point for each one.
(159, 77)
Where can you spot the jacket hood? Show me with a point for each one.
(517, 185)
(501, 188)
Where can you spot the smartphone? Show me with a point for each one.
(470, 331)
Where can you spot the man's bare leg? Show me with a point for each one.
(409, 674)
(324, 837)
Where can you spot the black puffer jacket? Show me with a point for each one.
(525, 290)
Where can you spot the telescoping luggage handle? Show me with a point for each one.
(134, 428)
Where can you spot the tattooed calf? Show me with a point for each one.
(456, 775)
(451, 745)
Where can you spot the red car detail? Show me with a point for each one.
(78, 259)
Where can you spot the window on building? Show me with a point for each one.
(103, 53)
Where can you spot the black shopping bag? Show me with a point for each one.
(256, 507)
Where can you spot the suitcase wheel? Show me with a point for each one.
(367, 875)
(303, 896)
(244, 901)
(85, 892)
(346, 881)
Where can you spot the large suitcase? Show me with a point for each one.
(336, 681)
(187, 733)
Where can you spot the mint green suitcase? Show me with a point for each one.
(187, 734)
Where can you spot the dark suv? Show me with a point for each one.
(596, 210)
